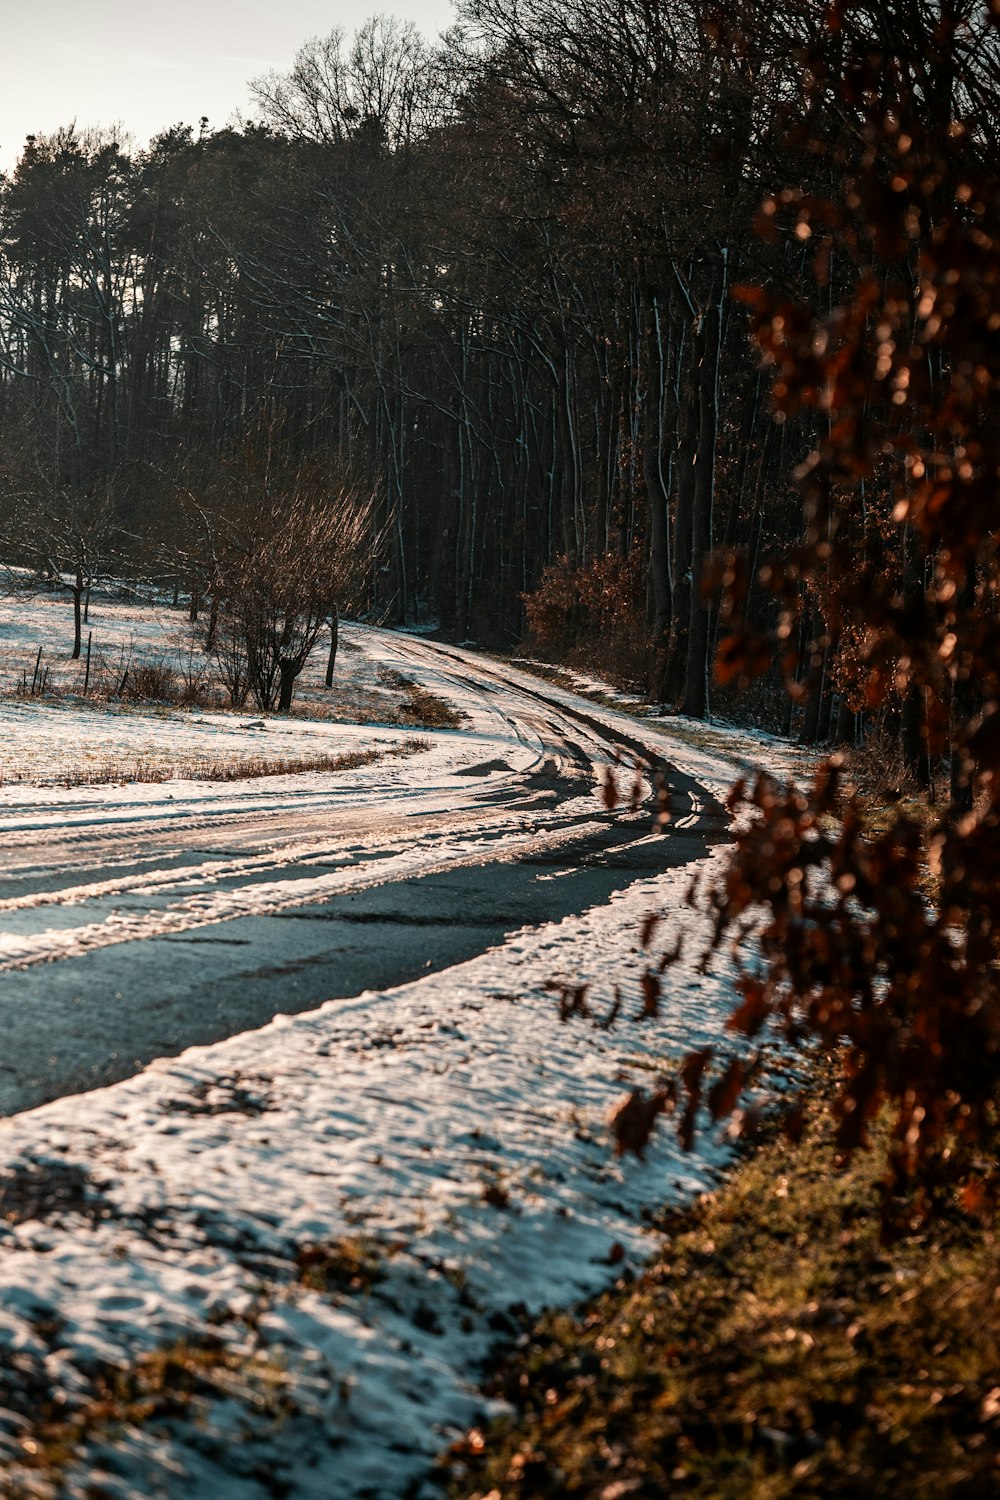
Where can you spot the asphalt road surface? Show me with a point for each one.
(161, 924)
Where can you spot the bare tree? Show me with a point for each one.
(293, 557)
(374, 87)
(65, 530)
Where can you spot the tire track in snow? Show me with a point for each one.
(210, 909)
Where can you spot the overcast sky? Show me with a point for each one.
(146, 66)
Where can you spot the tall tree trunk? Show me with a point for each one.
(913, 736)
(710, 340)
(672, 682)
(211, 634)
(962, 703)
(815, 683)
(845, 727)
(657, 493)
(289, 670)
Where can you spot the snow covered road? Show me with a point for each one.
(137, 921)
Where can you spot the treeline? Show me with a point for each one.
(489, 282)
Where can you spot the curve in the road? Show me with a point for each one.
(132, 929)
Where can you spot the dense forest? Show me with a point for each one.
(488, 285)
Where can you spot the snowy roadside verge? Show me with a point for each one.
(447, 1134)
(354, 1204)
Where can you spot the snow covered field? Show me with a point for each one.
(330, 1221)
(64, 737)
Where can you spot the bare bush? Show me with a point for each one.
(192, 685)
(231, 658)
(149, 682)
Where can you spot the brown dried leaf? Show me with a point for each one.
(650, 997)
(725, 1092)
(632, 1117)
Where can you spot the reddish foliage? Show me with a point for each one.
(632, 1119)
(900, 509)
(591, 612)
(650, 996)
(572, 998)
(649, 926)
(726, 1090)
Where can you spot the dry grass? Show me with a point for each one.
(420, 708)
(171, 1384)
(350, 1265)
(776, 1350)
(154, 681)
(127, 679)
(121, 678)
(887, 793)
(155, 769)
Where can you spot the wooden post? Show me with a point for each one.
(86, 678)
(331, 660)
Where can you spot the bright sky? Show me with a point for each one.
(148, 66)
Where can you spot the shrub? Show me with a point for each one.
(149, 682)
(590, 615)
(904, 373)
